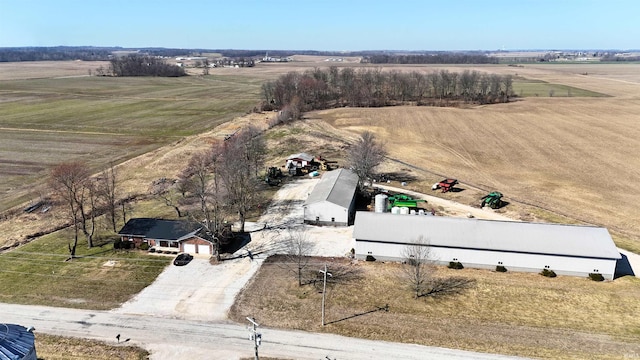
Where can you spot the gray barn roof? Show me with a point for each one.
(15, 342)
(337, 187)
(512, 236)
(160, 229)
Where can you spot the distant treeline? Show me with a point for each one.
(438, 58)
(57, 53)
(295, 93)
(613, 57)
(136, 65)
(86, 53)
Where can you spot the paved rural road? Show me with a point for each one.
(187, 339)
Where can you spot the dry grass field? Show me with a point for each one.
(564, 318)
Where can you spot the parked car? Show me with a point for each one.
(182, 259)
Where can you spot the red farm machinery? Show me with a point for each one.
(445, 185)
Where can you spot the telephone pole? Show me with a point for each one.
(324, 288)
(254, 335)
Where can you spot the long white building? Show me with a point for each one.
(518, 246)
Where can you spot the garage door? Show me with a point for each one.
(204, 249)
(189, 248)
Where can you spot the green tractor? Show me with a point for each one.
(493, 200)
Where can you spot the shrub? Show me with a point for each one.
(144, 246)
(117, 244)
(455, 265)
(370, 258)
(596, 277)
(501, 268)
(548, 273)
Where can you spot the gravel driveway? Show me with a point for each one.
(201, 291)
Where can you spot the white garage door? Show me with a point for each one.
(204, 249)
(189, 248)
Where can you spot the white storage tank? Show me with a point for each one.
(404, 210)
(381, 203)
(421, 212)
(395, 210)
(412, 212)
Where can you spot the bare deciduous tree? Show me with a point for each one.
(69, 180)
(238, 157)
(106, 191)
(298, 250)
(418, 266)
(169, 191)
(365, 155)
(418, 272)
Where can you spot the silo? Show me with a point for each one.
(381, 203)
(395, 210)
(17, 342)
(404, 210)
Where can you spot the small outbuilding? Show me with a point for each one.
(332, 201)
(296, 162)
(17, 343)
(518, 246)
(168, 235)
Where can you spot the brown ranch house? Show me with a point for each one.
(168, 235)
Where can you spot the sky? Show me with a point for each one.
(330, 25)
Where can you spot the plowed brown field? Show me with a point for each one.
(577, 156)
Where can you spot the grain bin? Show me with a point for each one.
(17, 342)
(381, 203)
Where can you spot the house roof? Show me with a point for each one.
(510, 236)
(337, 187)
(160, 229)
(301, 156)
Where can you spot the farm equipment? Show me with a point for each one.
(445, 185)
(402, 200)
(273, 176)
(493, 200)
(324, 164)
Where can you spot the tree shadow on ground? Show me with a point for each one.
(401, 176)
(448, 286)
(379, 308)
(237, 242)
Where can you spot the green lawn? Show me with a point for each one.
(534, 88)
(39, 273)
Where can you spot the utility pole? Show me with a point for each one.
(254, 335)
(324, 288)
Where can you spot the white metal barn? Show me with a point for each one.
(518, 246)
(332, 200)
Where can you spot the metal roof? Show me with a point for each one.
(511, 236)
(161, 229)
(16, 342)
(337, 187)
(301, 156)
